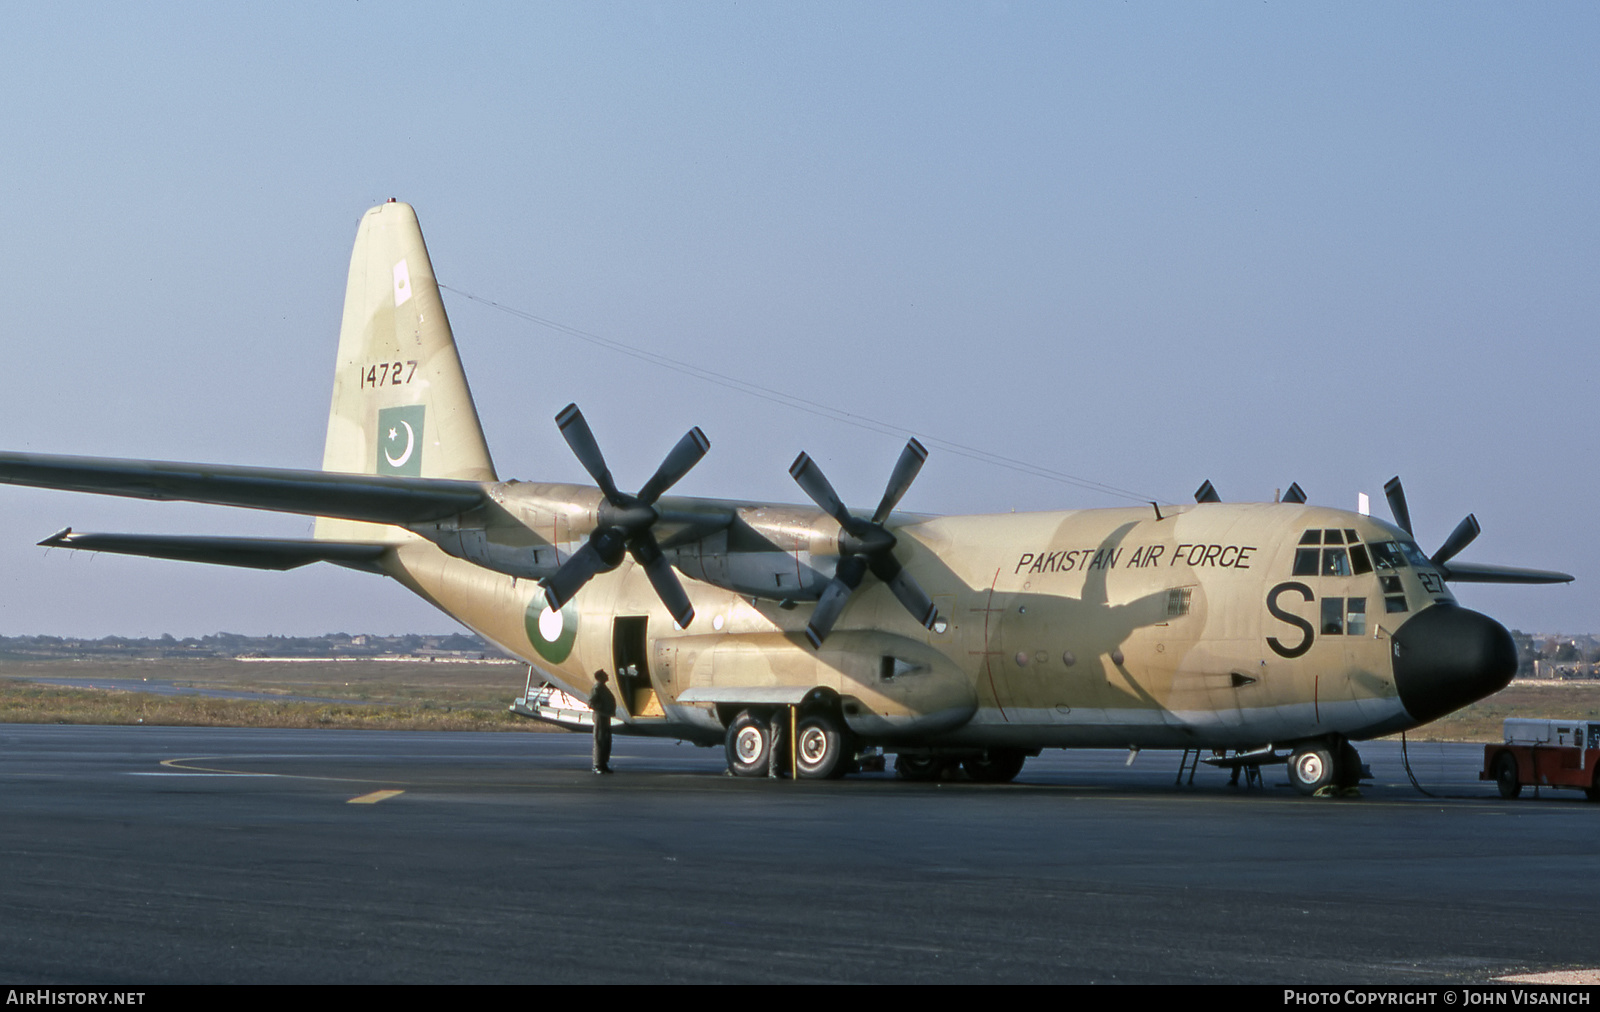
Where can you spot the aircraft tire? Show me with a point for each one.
(999, 766)
(1311, 768)
(748, 745)
(821, 748)
(919, 768)
(1505, 775)
(1347, 769)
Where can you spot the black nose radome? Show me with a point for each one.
(1446, 657)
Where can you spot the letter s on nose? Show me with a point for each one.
(1308, 634)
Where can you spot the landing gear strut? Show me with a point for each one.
(757, 746)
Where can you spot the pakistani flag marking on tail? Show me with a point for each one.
(400, 440)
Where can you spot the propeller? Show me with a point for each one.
(1459, 538)
(1296, 494)
(1207, 492)
(625, 520)
(864, 544)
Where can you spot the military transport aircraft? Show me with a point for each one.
(1270, 630)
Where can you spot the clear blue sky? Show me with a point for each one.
(1146, 244)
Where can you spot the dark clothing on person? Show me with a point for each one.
(604, 705)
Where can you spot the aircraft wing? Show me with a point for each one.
(1468, 572)
(384, 499)
(253, 553)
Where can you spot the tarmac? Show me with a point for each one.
(147, 855)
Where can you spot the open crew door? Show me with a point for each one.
(630, 660)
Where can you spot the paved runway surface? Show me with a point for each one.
(148, 855)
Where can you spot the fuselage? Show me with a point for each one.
(1214, 625)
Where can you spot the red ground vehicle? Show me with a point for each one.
(1545, 753)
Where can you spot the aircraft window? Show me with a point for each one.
(1358, 558)
(1305, 561)
(1333, 616)
(1355, 616)
(1334, 561)
(1386, 555)
(1415, 554)
(1333, 537)
(1394, 595)
(1311, 538)
(1350, 537)
(1178, 601)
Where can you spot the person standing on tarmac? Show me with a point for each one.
(604, 704)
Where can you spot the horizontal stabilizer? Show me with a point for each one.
(1468, 572)
(252, 553)
(376, 498)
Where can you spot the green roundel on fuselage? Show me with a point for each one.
(551, 632)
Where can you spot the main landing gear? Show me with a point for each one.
(991, 766)
(758, 746)
(1325, 768)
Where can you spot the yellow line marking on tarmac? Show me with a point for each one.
(373, 798)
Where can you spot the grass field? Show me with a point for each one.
(397, 695)
(414, 695)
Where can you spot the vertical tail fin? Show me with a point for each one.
(401, 404)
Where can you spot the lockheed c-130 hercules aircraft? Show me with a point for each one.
(1271, 630)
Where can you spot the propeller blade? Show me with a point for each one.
(1459, 538)
(1470, 572)
(1295, 493)
(888, 569)
(1207, 492)
(1396, 494)
(905, 472)
(834, 598)
(809, 477)
(575, 430)
(574, 573)
(668, 587)
(682, 457)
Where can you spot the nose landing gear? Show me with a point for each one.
(1325, 768)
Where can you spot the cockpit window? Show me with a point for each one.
(1394, 595)
(1386, 555)
(1335, 561)
(1358, 558)
(1344, 616)
(1415, 554)
(1355, 616)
